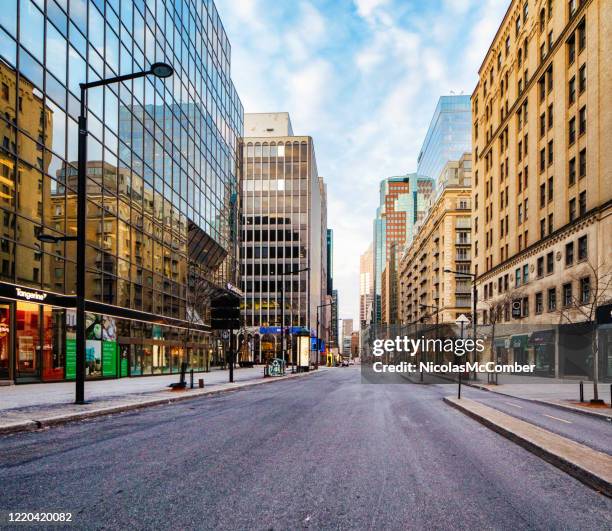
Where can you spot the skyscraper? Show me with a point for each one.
(283, 212)
(402, 204)
(448, 136)
(366, 286)
(161, 185)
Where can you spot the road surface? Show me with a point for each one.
(319, 452)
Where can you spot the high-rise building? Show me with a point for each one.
(330, 261)
(448, 136)
(334, 339)
(366, 287)
(283, 207)
(402, 204)
(161, 186)
(542, 190)
(442, 242)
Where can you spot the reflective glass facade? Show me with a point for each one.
(449, 135)
(161, 175)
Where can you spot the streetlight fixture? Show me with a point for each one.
(282, 297)
(161, 71)
(474, 297)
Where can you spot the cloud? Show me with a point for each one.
(363, 79)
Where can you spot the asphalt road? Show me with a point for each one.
(585, 429)
(320, 452)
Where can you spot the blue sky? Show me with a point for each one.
(362, 77)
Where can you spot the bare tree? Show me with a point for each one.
(497, 311)
(595, 290)
(197, 301)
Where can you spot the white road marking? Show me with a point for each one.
(513, 404)
(556, 418)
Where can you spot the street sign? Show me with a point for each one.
(462, 319)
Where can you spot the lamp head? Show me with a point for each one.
(161, 70)
(47, 238)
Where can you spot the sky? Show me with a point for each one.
(362, 77)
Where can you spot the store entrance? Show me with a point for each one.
(5, 340)
(27, 342)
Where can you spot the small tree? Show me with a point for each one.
(595, 283)
(496, 310)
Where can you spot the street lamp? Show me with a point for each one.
(474, 297)
(162, 71)
(318, 351)
(282, 297)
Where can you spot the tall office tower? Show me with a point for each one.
(334, 338)
(402, 204)
(448, 136)
(366, 287)
(160, 178)
(542, 190)
(283, 211)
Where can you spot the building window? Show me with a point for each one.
(582, 203)
(582, 79)
(551, 189)
(582, 248)
(542, 159)
(571, 174)
(507, 45)
(582, 35)
(571, 49)
(550, 153)
(572, 209)
(571, 90)
(540, 267)
(542, 195)
(569, 254)
(525, 307)
(550, 224)
(582, 163)
(517, 278)
(542, 228)
(572, 131)
(542, 124)
(567, 294)
(550, 263)
(552, 299)
(571, 5)
(525, 273)
(550, 116)
(549, 73)
(582, 120)
(539, 303)
(585, 290)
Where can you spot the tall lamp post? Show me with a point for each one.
(436, 309)
(281, 347)
(160, 70)
(318, 351)
(474, 301)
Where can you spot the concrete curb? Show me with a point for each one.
(35, 424)
(589, 466)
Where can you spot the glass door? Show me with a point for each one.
(27, 342)
(5, 341)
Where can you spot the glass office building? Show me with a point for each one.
(161, 185)
(449, 135)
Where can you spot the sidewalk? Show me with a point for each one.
(31, 406)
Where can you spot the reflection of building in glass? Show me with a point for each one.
(282, 203)
(161, 186)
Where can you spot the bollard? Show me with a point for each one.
(581, 391)
(201, 383)
(191, 376)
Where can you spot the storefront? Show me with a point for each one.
(38, 341)
(543, 344)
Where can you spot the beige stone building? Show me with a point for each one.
(542, 190)
(442, 241)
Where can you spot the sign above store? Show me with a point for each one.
(30, 295)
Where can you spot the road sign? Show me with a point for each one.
(462, 319)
